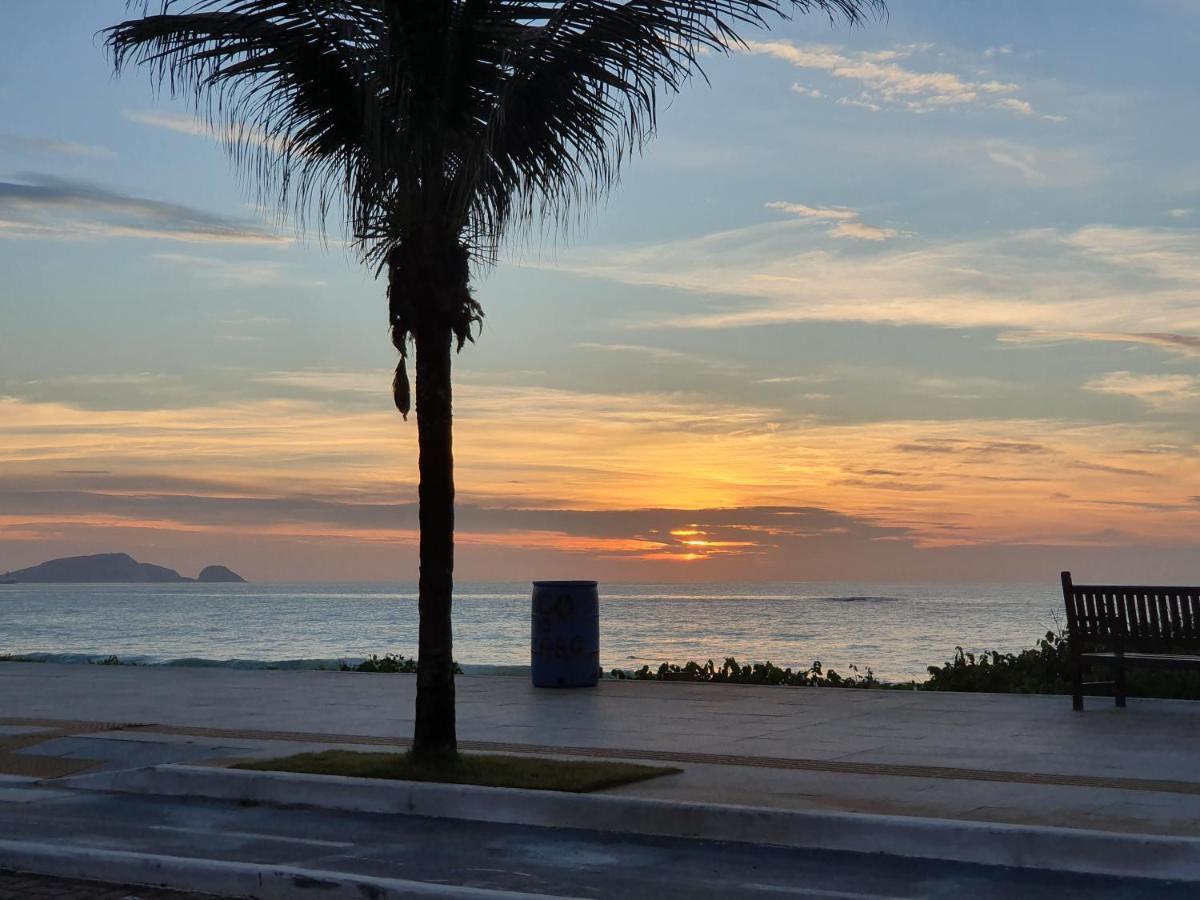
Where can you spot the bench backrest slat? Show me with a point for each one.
(1140, 615)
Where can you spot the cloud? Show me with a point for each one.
(1160, 392)
(1179, 213)
(888, 485)
(1013, 161)
(663, 354)
(974, 448)
(862, 231)
(1112, 470)
(862, 101)
(44, 206)
(1012, 104)
(1187, 344)
(1127, 281)
(798, 88)
(656, 353)
(794, 379)
(327, 382)
(883, 81)
(39, 146)
(821, 214)
(1004, 50)
(245, 273)
(847, 221)
(191, 125)
(1024, 108)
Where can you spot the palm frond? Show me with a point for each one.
(281, 82)
(579, 92)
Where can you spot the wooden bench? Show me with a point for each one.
(1128, 625)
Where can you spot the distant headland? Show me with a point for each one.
(110, 568)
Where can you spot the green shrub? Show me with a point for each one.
(730, 672)
(1043, 669)
(389, 664)
(1046, 669)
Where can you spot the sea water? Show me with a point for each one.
(896, 630)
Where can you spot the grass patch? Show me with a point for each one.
(537, 773)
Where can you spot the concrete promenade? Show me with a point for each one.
(990, 758)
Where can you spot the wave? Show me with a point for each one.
(196, 662)
(860, 599)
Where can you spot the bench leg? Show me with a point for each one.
(1077, 685)
(1119, 685)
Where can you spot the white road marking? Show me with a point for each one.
(255, 836)
(818, 892)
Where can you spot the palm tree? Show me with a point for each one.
(429, 127)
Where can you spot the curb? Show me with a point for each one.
(1033, 847)
(229, 879)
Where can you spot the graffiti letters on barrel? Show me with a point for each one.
(558, 646)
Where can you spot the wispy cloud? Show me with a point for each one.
(1187, 344)
(39, 146)
(1119, 280)
(1009, 160)
(44, 206)
(798, 88)
(1163, 392)
(656, 353)
(847, 222)
(248, 273)
(328, 382)
(181, 123)
(821, 214)
(884, 82)
(862, 231)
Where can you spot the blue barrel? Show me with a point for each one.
(565, 635)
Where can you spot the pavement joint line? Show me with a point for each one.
(843, 767)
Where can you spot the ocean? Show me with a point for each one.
(896, 630)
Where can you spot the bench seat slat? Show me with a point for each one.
(1176, 660)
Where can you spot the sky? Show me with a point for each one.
(917, 301)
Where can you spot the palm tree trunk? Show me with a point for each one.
(434, 737)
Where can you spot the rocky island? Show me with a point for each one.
(112, 568)
(220, 574)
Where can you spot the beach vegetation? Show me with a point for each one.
(1041, 669)
(388, 664)
(432, 130)
(730, 672)
(1046, 669)
(532, 772)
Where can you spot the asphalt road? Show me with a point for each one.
(535, 860)
(20, 886)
